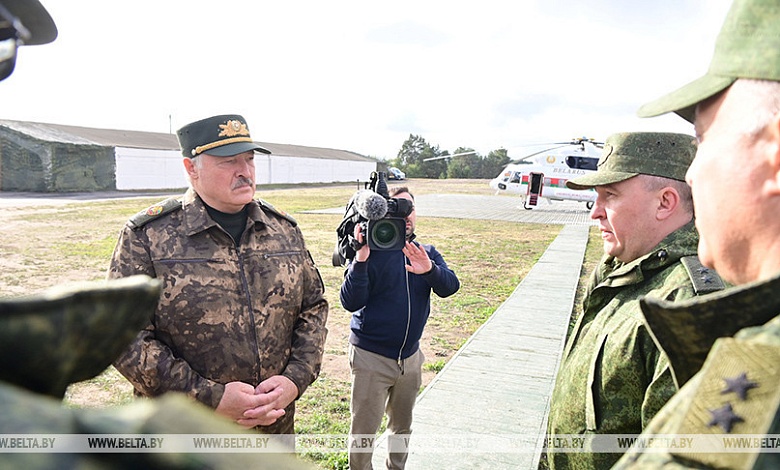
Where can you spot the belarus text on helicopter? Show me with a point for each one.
(546, 177)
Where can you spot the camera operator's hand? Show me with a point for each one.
(361, 255)
(420, 263)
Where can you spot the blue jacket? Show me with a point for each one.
(390, 305)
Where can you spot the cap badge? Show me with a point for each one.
(233, 128)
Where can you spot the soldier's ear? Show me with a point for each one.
(189, 167)
(668, 201)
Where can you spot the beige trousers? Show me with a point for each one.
(382, 385)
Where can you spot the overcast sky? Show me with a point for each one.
(361, 75)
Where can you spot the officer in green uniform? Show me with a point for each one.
(612, 378)
(724, 349)
(72, 333)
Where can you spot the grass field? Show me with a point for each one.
(44, 246)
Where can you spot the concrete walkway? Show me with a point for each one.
(488, 407)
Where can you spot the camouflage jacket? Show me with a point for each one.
(728, 345)
(226, 313)
(612, 378)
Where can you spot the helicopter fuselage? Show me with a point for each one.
(546, 177)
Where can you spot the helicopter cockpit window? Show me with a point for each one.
(582, 163)
(515, 177)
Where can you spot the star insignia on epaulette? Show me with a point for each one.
(704, 275)
(724, 417)
(739, 385)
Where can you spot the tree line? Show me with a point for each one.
(413, 159)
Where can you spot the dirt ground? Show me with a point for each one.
(31, 260)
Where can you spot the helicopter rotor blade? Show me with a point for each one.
(541, 151)
(449, 156)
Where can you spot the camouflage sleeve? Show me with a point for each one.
(661, 387)
(148, 363)
(658, 425)
(308, 342)
(677, 286)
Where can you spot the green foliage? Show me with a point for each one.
(435, 366)
(416, 150)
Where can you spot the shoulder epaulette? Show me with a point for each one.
(704, 280)
(266, 205)
(154, 211)
(737, 394)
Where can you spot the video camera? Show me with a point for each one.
(381, 217)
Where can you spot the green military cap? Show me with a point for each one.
(221, 136)
(747, 47)
(29, 18)
(628, 154)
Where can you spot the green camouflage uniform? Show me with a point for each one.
(612, 378)
(741, 326)
(227, 313)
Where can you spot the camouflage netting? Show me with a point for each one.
(30, 164)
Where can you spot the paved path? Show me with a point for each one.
(508, 208)
(490, 401)
(488, 407)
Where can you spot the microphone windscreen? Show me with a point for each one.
(370, 205)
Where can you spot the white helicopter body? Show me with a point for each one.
(546, 177)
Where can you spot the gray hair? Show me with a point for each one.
(198, 163)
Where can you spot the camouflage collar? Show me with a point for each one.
(681, 242)
(686, 330)
(197, 219)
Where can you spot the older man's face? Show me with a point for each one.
(725, 180)
(224, 183)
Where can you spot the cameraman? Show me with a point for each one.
(389, 295)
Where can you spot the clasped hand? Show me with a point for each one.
(252, 406)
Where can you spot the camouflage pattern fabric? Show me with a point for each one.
(753, 351)
(71, 333)
(612, 378)
(226, 313)
(25, 413)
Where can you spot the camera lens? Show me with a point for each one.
(387, 234)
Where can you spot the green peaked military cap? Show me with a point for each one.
(221, 136)
(628, 154)
(35, 21)
(748, 46)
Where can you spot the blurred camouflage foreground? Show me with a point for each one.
(72, 333)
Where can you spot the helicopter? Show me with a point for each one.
(546, 176)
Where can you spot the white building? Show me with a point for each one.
(55, 157)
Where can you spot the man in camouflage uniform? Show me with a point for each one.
(72, 333)
(725, 347)
(241, 321)
(612, 378)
